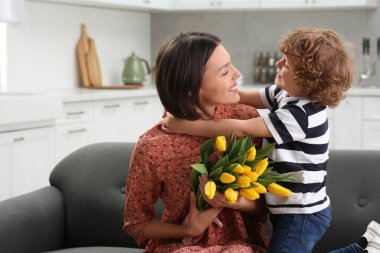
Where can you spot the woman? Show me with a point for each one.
(194, 77)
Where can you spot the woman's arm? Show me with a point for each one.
(197, 222)
(255, 127)
(255, 207)
(251, 97)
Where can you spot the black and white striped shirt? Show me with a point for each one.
(301, 132)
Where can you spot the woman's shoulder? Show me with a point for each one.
(159, 146)
(235, 111)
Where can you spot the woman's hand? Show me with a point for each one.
(170, 124)
(256, 207)
(197, 221)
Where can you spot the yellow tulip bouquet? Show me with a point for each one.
(239, 168)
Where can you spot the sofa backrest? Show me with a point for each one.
(353, 185)
(92, 181)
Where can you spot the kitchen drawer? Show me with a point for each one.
(371, 135)
(76, 112)
(370, 108)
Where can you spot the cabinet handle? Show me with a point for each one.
(141, 103)
(18, 139)
(74, 113)
(147, 1)
(111, 106)
(77, 131)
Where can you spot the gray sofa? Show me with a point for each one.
(82, 210)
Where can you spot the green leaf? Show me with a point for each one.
(265, 150)
(206, 149)
(243, 148)
(265, 182)
(248, 144)
(201, 168)
(194, 179)
(200, 200)
(230, 168)
(231, 185)
(221, 162)
(232, 140)
(216, 173)
(236, 148)
(239, 159)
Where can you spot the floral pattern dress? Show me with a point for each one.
(160, 168)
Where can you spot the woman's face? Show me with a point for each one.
(285, 78)
(219, 81)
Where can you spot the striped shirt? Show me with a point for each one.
(301, 132)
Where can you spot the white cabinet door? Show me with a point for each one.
(71, 137)
(109, 121)
(310, 4)
(348, 124)
(5, 166)
(32, 158)
(371, 135)
(142, 114)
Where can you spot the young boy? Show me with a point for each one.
(314, 73)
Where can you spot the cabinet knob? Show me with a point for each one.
(74, 113)
(18, 139)
(141, 103)
(111, 106)
(147, 1)
(77, 131)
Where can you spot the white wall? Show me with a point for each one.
(41, 50)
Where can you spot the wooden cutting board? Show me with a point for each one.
(89, 66)
(93, 65)
(82, 49)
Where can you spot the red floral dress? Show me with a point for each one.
(160, 168)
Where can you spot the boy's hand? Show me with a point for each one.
(170, 124)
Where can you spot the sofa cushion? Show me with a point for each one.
(93, 195)
(98, 250)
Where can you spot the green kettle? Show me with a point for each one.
(133, 72)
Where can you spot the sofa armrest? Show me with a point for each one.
(32, 222)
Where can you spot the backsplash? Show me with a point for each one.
(244, 33)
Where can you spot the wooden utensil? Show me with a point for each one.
(93, 65)
(82, 49)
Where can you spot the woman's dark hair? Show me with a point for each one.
(180, 66)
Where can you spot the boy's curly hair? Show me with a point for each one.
(321, 64)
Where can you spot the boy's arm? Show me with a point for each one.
(255, 127)
(251, 97)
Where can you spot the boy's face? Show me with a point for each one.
(285, 78)
(219, 84)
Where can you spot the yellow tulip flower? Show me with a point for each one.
(249, 193)
(220, 143)
(259, 188)
(230, 195)
(239, 169)
(261, 166)
(252, 175)
(244, 181)
(247, 169)
(227, 178)
(279, 190)
(210, 189)
(251, 154)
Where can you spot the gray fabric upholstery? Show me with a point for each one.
(354, 189)
(83, 209)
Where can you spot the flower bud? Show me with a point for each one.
(230, 195)
(261, 166)
(252, 175)
(238, 169)
(227, 178)
(247, 169)
(244, 181)
(220, 143)
(259, 188)
(249, 193)
(251, 154)
(279, 190)
(210, 189)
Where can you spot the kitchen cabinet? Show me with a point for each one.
(109, 121)
(347, 124)
(371, 123)
(74, 129)
(142, 113)
(26, 160)
(215, 4)
(313, 4)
